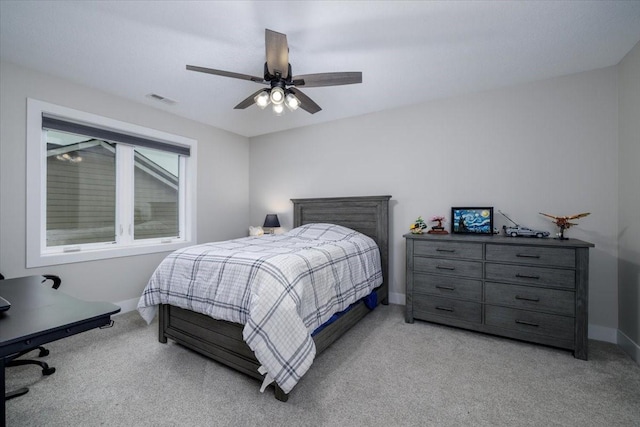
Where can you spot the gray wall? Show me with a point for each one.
(549, 146)
(223, 183)
(629, 199)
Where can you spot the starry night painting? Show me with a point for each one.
(472, 220)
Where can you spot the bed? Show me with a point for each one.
(224, 341)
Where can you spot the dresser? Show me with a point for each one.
(525, 288)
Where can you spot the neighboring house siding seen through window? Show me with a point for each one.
(81, 191)
(99, 188)
(156, 194)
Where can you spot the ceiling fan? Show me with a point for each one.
(283, 90)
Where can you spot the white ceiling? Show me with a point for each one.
(409, 52)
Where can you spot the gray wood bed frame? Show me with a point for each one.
(222, 341)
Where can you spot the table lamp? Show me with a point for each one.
(271, 221)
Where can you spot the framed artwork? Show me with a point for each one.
(472, 220)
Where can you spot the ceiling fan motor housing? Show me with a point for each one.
(277, 78)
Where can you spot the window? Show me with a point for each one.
(156, 194)
(99, 188)
(81, 190)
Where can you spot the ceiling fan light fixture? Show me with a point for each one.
(277, 77)
(262, 99)
(291, 102)
(277, 95)
(278, 109)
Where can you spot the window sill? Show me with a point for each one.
(83, 255)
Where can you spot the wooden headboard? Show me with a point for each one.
(369, 215)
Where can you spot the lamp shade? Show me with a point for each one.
(262, 99)
(277, 95)
(278, 109)
(291, 102)
(271, 221)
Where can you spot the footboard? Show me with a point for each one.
(222, 341)
(217, 339)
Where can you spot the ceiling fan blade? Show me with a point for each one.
(249, 101)
(226, 74)
(306, 103)
(328, 79)
(277, 53)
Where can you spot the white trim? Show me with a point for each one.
(124, 216)
(629, 347)
(37, 253)
(602, 333)
(397, 298)
(128, 305)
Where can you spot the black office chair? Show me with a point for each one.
(11, 360)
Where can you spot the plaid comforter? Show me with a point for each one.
(281, 287)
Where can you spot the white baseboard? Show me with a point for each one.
(396, 298)
(629, 347)
(603, 333)
(127, 305)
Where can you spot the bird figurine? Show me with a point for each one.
(564, 222)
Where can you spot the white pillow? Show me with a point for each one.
(255, 231)
(321, 231)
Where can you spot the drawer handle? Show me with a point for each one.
(448, 288)
(524, 322)
(438, 307)
(527, 256)
(445, 267)
(526, 276)
(445, 250)
(528, 298)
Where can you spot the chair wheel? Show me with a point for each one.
(43, 352)
(48, 371)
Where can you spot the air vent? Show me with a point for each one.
(161, 98)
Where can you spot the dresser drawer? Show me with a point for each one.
(448, 249)
(447, 286)
(531, 275)
(531, 298)
(424, 306)
(530, 322)
(452, 267)
(537, 255)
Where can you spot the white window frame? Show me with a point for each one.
(38, 254)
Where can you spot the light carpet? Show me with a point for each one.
(383, 372)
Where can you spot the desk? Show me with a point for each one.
(39, 315)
